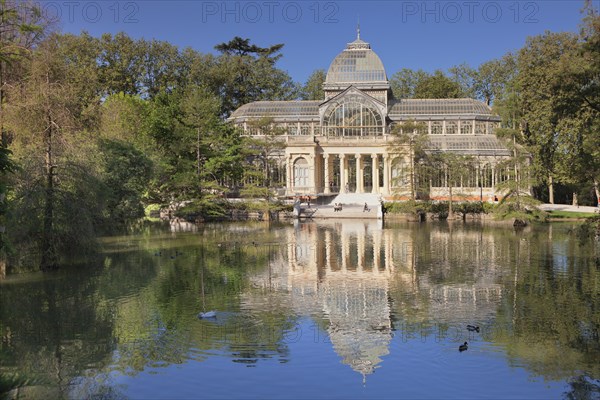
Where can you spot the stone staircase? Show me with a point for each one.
(352, 207)
(372, 200)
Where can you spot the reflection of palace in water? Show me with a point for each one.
(356, 275)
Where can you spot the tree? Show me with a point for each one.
(502, 90)
(125, 176)
(264, 148)
(466, 77)
(517, 201)
(410, 142)
(578, 84)
(405, 81)
(120, 64)
(200, 113)
(42, 114)
(21, 27)
(160, 67)
(437, 86)
(313, 88)
(543, 105)
(242, 47)
(454, 166)
(246, 73)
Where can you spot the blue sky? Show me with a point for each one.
(413, 34)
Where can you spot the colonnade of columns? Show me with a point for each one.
(321, 173)
(330, 173)
(357, 254)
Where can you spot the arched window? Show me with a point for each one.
(353, 116)
(301, 173)
(466, 127)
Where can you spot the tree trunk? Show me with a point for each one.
(412, 172)
(198, 166)
(198, 163)
(49, 257)
(550, 189)
(450, 211)
(597, 190)
(516, 172)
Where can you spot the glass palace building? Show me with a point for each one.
(344, 144)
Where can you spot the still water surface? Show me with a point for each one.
(339, 310)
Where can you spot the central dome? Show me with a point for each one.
(356, 64)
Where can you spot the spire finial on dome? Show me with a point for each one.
(358, 27)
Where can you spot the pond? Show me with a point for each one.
(347, 309)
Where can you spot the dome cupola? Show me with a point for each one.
(359, 66)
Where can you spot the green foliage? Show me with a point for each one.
(208, 209)
(569, 214)
(489, 208)
(405, 81)
(10, 382)
(524, 209)
(151, 209)
(126, 174)
(405, 207)
(438, 86)
(313, 88)
(246, 73)
(438, 208)
(419, 84)
(590, 229)
(469, 207)
(408, 147)
(262, 153)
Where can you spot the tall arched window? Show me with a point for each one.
(353, 116)
(301, 173)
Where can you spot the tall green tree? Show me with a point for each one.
(405, 81)
(466, 77)
(22, 26)
(438, 86)
(246, 73)
(120, 64)
(578, 86)
(409, 147)
(200, 114)
(43, 114)
(544, 106)
(454, 167)
(313, 87)
(265, 147)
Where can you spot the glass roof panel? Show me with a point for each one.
(471, 144)
(278, 109)
(422, 107)
(357, 63)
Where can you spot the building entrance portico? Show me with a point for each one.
(336, 170)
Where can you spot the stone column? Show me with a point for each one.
(359, 175)
(327, 171)
(375, 172)
(312, 182)
(386, 174)
(343, 173)
(290, 177)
